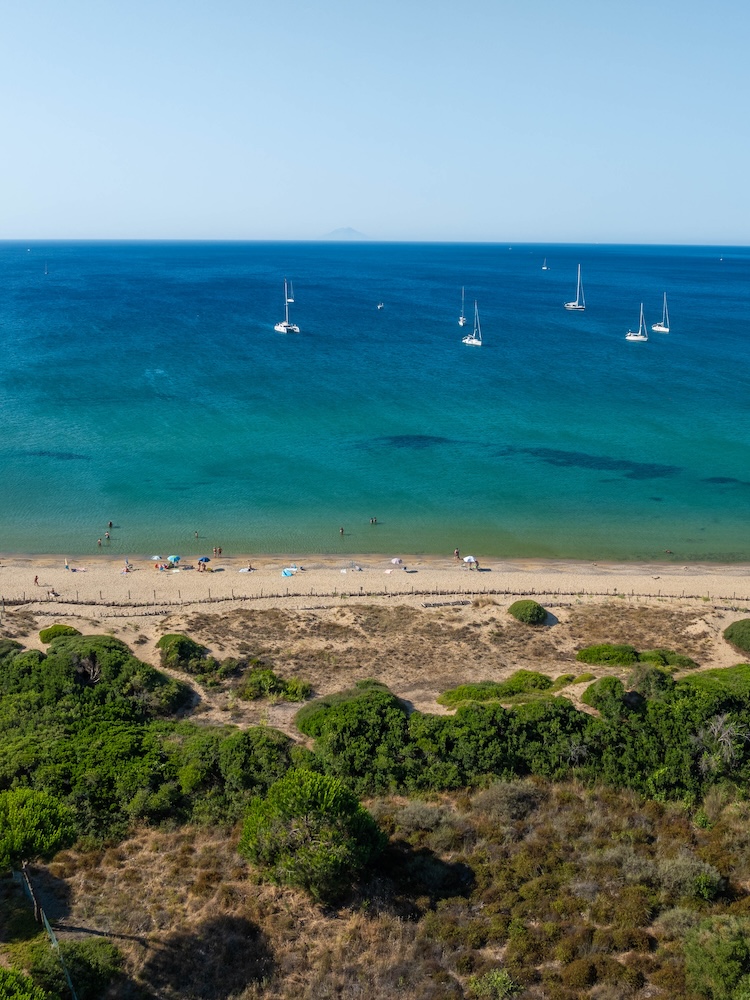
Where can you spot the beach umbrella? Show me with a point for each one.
(173, 558)
(396, 562)
(204, 559)
(155, 558)
(469, 559)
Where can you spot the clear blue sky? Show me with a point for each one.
(276, 119)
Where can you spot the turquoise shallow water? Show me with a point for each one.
(144, 383)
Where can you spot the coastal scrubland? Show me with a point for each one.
(380, 800)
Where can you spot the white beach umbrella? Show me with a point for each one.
(469, 559)
(396, 562)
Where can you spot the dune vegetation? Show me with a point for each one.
(548, 837)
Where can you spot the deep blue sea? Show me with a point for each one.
(144, 383)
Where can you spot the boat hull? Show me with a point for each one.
(635, 336)
(471, 341)
(286, 328)
(574, 306)
(660, 328)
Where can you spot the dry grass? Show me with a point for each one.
(556, 874)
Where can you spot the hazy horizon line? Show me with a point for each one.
(323, 239)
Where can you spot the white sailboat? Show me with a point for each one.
(663, 327)
(475, 338)
(544, 265)
(462, 317)
(579, 304)
(641, 333)
(286, 326)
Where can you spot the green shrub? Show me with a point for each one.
(310, 832)
(717, 958)
(179, 652)
(584, 678)
(605, 695)
(651, 682)
(528, 612)
(8, 649)
(520, 682)
(32, 823)
(562, 681)
(92, 964)
(667, 658)
(263, 683)
(493, 985)
(738, 634)
(55, 631)
(16, 986)
(724, 687)
(607, 655)
(362, 737)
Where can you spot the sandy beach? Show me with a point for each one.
(103, 583)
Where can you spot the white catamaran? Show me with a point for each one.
(579, 304)
(475, 338)
(641, 333)
(462, 317)
(286, 326)
(663, 327)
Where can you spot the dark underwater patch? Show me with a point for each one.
(657, 499)
(601, 463)
(62, 456)
(725, 481)
(417, 441)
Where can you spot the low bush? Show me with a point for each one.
(92, 964)
(728, 687)
(607, 655)
(32, 823)
(507, 801)
(717, 958)
(667, 658)
(605, 695)
(650, 682)
(263, 683)
(493, 985)
(520, 682)
(15, 985)
(562, 681)
(528, 612)
(55, 631)
(180, 652)
(738, 634)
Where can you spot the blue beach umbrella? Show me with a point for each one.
(173, 559)
(204, 559)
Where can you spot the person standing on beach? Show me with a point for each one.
(456, 554)
(36, 581)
